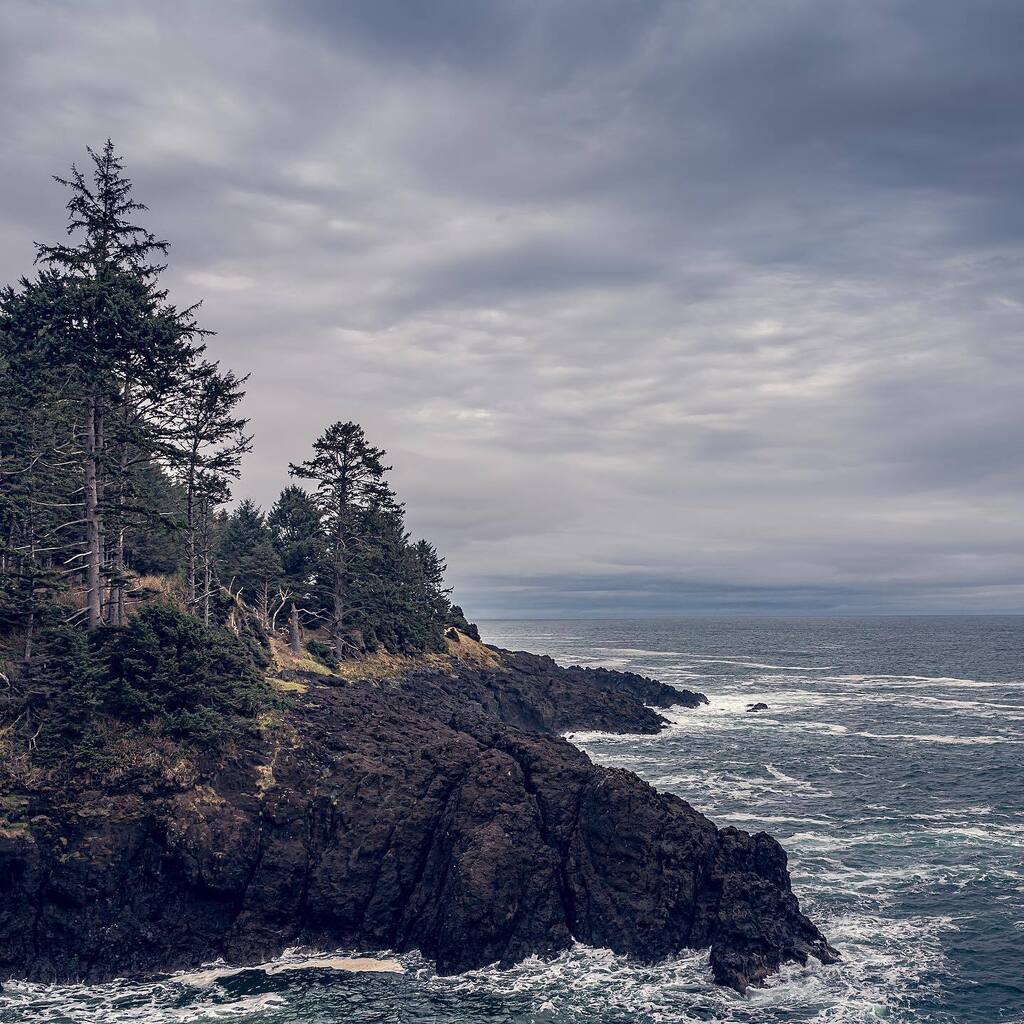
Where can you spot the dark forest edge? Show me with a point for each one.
(120, 440)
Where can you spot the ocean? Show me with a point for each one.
(890, 764)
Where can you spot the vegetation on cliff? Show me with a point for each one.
(119, 442)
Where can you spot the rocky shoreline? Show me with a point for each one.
(438, 809)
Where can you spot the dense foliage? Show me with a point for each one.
(164, 671)
(119, 442)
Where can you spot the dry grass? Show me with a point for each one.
(380, 666)
(377, 666)
(466, 649)
(287, 685)
(16, 769)
(284, 660)
(141, 590)
(265, 778)
(144, 589)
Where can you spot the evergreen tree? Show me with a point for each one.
(38, 506)
(119, 442)
(349, 475)
(153, 544)
(125, 350)
(430, 594)
(209, 441)
(249, 561)
(210, 494)
(297, 537)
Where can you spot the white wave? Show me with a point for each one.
(776, 773)
(987, 834)
(920, 682)
(939, 738)
(160, 1000)
(884, 886)
(743, 818)
(750, 663)
(123, 1002)
(974, 811)
(883, 960)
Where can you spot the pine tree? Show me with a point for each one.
(249, 562)
(125, 349)
(349, 474)
(298, 540)
(208, 442)
(153, 543)
(38, 506)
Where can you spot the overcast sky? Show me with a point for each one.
(686, 307)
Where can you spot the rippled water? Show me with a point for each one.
(890, 764)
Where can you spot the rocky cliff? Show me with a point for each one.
(434, 809)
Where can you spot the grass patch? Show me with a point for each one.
(287, 685)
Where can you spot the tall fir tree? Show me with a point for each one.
(349, 475)
(249, 562)
(125, 348)
(299, 542)
(208, 440)
(39, 508)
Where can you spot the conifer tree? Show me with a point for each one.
(297, 537)
(249, 562)
(349, 475)
(125, 349)
(119, 441)
(38, 504)
(206, 451)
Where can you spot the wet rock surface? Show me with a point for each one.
(440, 812)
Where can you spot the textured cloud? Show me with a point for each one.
(657, 307)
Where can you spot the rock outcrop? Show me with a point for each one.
(439, 811)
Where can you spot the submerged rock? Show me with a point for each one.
(757, 707)
(440, 812)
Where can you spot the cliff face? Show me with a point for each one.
(439, 811)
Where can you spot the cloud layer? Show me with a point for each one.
(681, 307)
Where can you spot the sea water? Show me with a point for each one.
(890, 764)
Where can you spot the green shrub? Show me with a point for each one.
(165, 672)
(167, 666)
(322, 653)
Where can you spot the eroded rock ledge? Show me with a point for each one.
(439, 811)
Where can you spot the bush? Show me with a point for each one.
(322, 653)
(164, 673)
(167, 667)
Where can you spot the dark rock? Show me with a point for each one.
(757, 707)
(439, 812)
(457, 619)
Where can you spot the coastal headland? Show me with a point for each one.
(422, 803)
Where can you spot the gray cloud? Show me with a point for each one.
(657, 306)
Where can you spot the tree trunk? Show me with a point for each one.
(93, 518)
(30, 622)
(207, 587)
(294, 633)
(117, 615)
(190, 532)
(30, 629)
(339, 602)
